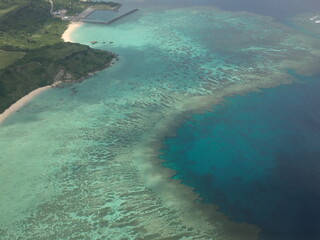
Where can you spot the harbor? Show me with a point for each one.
(86, 20)
(97, 14)
(84, 14)
(102, 16)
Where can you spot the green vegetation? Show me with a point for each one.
(32, 53)
(42, 66)
(30, 25)
(6, 10)
(6, 58)
(75, 6)
(5, 5)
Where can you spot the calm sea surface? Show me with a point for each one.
(258, 156)
(81, 162)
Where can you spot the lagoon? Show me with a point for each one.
(82, 161)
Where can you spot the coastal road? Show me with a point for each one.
(51, 9)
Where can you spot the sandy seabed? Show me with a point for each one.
(138, 199)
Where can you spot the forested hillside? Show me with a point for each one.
(32, 53)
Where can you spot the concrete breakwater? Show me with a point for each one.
(84, 14)
(112, 20)
(124, 15)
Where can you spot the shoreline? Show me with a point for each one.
(177, 196)
(67, 35)
(23, 101)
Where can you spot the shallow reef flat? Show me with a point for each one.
(307, 23)
(87, 165)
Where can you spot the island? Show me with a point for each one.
(32, 52)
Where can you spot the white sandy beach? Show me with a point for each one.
(67, 35)
(24, 100)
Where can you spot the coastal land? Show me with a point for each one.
(33, 53)
(102, 175)
(24, 100)
(67, 35)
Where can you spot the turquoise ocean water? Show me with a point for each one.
(82, 161)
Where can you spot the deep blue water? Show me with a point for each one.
(280, 10)
(258, 158)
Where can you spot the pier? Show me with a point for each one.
(84, 14)
(108, 22)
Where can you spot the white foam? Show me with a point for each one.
(313, 18)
